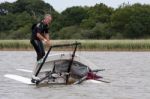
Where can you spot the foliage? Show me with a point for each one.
(133, 21)
(96, 22)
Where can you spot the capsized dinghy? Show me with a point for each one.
(67, 68)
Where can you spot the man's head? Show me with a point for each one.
(47, 19)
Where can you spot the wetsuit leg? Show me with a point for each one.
(39, 48)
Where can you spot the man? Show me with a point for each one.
(40, 35)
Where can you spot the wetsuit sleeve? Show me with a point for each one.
(39, 28)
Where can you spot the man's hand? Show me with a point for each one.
(47, 42)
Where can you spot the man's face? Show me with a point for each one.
(48, 19)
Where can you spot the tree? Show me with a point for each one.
(6, 8)
(73, 16)
(100, 13)
(133, 21)
(17, 17)
(71, 32)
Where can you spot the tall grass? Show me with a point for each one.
(117, 45)
(14, 45)
(95, 45)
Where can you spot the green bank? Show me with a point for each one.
(87, 45)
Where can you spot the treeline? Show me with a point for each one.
(97, 22)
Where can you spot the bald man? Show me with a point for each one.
(39, 35)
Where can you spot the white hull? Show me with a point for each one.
(51, 59)
(59, 64)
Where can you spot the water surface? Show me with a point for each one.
(129, 73)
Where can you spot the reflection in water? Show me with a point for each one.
(129, 73)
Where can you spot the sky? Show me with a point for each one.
(60, 5)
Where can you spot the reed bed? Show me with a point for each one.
(87, 45)
(15, 45)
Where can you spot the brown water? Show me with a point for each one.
(129, 73)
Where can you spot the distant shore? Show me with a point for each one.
(87, 45)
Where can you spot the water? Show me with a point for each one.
(129, 73)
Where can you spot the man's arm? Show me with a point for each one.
(41, 37)
(47, 36)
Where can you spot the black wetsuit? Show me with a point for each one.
(35, 41)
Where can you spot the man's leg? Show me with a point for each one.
(40, 51)
(38, 46)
